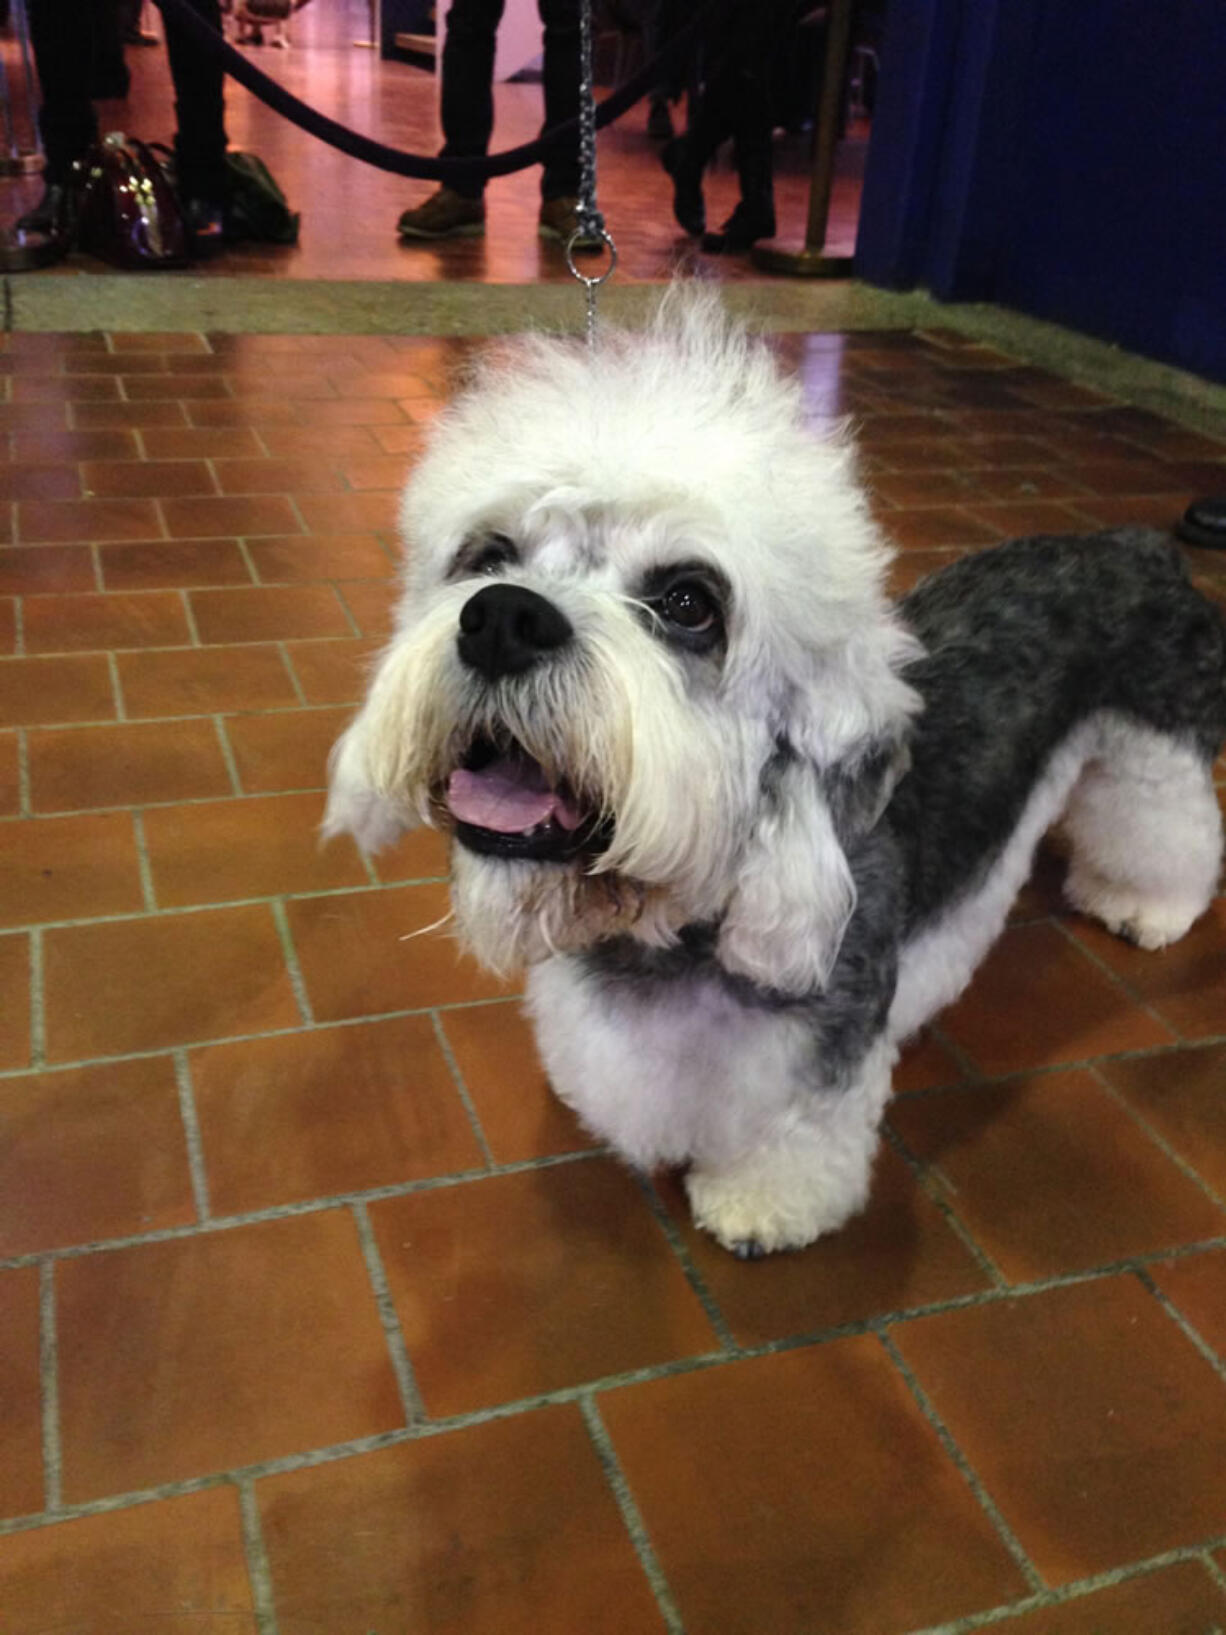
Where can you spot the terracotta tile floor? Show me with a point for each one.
(318, 1313)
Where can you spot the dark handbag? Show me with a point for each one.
(256, 208)
(125, 208)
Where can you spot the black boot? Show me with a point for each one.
(205, 221)
(52, 215)
(688, 205)
(744, 227)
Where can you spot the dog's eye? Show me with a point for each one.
(689, 606)
(493, 553)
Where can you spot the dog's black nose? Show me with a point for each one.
(506, 628)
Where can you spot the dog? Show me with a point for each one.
(747, 824)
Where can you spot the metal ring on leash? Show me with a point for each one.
(591, 281)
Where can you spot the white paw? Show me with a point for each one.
(751, 1216)
(1148, 923)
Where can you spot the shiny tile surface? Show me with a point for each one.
(318, 1311)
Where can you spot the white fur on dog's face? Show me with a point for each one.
(595, 478)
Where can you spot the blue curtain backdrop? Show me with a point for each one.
(1064, 157)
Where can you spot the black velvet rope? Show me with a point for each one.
(464, 172)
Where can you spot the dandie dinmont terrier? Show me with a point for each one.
(746, 823)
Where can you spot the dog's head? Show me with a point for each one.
(644, 673)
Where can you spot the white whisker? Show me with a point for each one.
(426, 929)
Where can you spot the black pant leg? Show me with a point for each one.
(67, 37)
(560, 19)
(467, 107)
(200, 112)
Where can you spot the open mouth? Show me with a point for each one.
(504, 805)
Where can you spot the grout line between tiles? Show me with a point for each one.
(288, 662)
(453, 1067)
(928, 1177)
(289, 953)
(258, 1572)
(631, 1515)
(24, 795)
(1067, 1594)
(228, 756)
(1122, 983)
(946, 1438)
(116, 687)
(38, 1003)
(1158, 1139)
(19, 628)
(1188, 1329)
(191, 715)
(191, 1135)
(969, 1067)
(228, 902)
(95, 562)
(245, 1038)
(983, 1081)
(410, 1397)
(191, 800)
(248, 562)
(1215, 1573)
(189, 614)
(143, 862)
(349, 614)
(691, 1273)
(308, 1206)
(48, 1366)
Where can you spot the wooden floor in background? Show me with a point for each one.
(350, 210)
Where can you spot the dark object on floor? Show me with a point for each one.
(52, 215)
(1204, 523)
(744, 227)
(256, 209)
(206, 227)
(126, 209)
(688, 205)
(250, 208)
(23, 250)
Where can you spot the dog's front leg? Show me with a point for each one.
(807, 1178)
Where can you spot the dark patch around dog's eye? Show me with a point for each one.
(688, 601)
(484, 554)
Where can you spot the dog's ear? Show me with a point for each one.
(355, 806)
(795, 893)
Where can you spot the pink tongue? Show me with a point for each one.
(508, 796)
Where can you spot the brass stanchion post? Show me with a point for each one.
(810, 261)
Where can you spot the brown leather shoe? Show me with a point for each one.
(559, 219)
(443, 215)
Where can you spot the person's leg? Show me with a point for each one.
(63, 35)
(710, 118)
(744, 91)
(200, 140)
(560, 19)
(468, 82)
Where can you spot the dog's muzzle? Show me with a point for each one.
(500, 798)
(505, 629)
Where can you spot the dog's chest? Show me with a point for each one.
(681, 1072)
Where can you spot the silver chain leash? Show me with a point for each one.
(591, 222)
